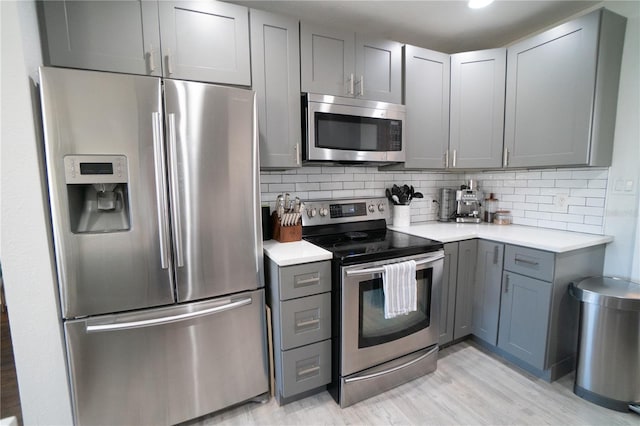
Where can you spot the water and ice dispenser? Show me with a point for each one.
(98, 193)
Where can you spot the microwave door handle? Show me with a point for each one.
(379, 269)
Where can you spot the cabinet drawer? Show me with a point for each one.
(530, 262)
(306, 320)
(304, 280)
(306, 368)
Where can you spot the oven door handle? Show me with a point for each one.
(391, 370)
(380, 269)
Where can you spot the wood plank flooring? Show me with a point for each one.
(9, 397)
(470, 387)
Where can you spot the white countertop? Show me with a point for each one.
(528, 236)
(294, 253)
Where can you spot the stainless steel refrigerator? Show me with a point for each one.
(154, 192)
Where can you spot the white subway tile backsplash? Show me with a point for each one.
(281, 187)
(294, 178)
(592, 211)
(544, 199)
(578, 192)
(330, 186)
(595, 202)
(319, 178)
(571, 183)
(597, 183)
(530, 195)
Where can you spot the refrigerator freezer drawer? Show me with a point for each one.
(168, 365)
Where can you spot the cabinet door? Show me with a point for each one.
(524, 318)
(378, 69)
(104, 35)
(327, 63)
(550, 92)
(467, 253)
(205, 41)
(477, 108)
(486, 294)
(426, 96)
(448, 292)
(275, 66)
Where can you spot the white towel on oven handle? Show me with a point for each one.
(400, 288)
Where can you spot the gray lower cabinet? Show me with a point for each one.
(300, 300)
(103, 35)
(275, 66)
(477, 109)
(339, 62)
(524, 318)
(467, 254)
(538, 318)
(190, 40)
(448, 293)
(426, 96)
(486, 291)
(562, 88)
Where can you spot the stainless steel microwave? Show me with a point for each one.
(352, 130)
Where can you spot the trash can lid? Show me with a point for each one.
(611, 292)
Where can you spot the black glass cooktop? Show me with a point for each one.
(351, 245)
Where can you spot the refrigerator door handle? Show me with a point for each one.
(175, 194)
(94, 328)
(257, 211)
(161, 190)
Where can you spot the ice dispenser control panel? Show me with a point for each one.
(83, 169)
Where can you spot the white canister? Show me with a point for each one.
(401, 215)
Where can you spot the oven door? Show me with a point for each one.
(367, 338)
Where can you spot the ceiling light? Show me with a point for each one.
(477, 4)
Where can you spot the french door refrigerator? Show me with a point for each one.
(154, 192)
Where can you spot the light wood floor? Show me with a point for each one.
(470, 386)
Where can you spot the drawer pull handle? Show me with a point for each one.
(528, 262)
(309, 280)
(506, 284)
(495, 255)
(308, 323)
(308, 370)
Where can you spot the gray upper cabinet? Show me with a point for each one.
(275, 66)
(190, 40)
(477, 108)
(467, 254)
(378, 69)
(205, 41)
(486, 299)
(103, 35)
(562, 88)
(426, 96)
(341, 63)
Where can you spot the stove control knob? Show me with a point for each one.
(311, 212)
(380, 207)
(324, 211)
(372, 209)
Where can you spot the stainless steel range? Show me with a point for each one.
(371, 353)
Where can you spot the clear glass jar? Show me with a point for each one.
(502, 217)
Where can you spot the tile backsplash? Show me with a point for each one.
(567, 199)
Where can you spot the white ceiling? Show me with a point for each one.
(446, 26)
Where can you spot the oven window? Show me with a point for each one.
(374, 329)
(354, 133)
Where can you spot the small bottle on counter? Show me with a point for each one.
(490, 207)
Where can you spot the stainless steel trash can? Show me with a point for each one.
(608, 372)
